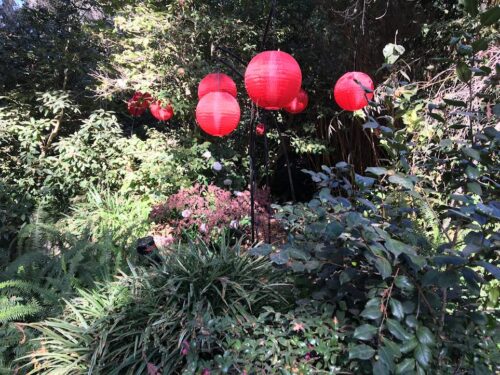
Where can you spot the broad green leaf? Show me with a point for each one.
(396, 308)
(472, 172)
(409, 345)
(471, 7)
(361, 351)
(474, 187)
(423, 355)
(401, 181)
(365, 332)
(425, 336)
(404, 283)
(397, 330)
(384, 267)
(378, 171)
(464, 73)
(405, 367)
(472, 153)
(491, 16)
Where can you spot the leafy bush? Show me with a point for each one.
(405, 311)
(304, 340)
(208, 212)
(124, 218)
(162, 306)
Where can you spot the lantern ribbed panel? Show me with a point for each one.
(218, 113)
(216, 82)
(273, 79)
(161, 113)
(298, 104)
(349, 95)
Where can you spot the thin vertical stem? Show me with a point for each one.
(285, 151)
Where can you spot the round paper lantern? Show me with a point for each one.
(161, 113)
(216, 82)
(218, 113)
(273, 79)
(349, 92)
(260, 129)
(298, 104)
(135, 108)
(139, 102)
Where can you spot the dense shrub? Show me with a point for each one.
(209, 212)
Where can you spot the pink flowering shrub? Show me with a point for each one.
(207, 211)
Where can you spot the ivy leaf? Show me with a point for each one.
(365, 332)
(425, 336)
(464, 73)
(384, 267)
(397, 308)
(423, 355)
(491, 16)
(397, 330)
(361, 351)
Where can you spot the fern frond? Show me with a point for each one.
(15, 311)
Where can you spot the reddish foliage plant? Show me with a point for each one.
(209, 210)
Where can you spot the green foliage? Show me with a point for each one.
(109, 214)
(164, 305)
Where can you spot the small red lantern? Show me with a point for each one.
(135, 109)
(260, 129)
(350, 91)
(160, 112)
(138, 104)
(218, 113)
(298, 104)
(216, 82)
(273, 79)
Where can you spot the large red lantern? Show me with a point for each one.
(160, 112)
(273, 79)
(216, 82)
(298, 104)
(350, 91)
(218, 113)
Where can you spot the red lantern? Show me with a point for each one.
(260, 129)
(218, 113)
(350, 91)
(135, 109)
(161, 113)
(298, 104)
(216, 82)
(273, 79)
(138, 104)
